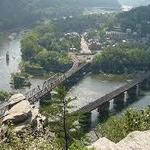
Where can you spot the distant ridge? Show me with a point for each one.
(14, 13)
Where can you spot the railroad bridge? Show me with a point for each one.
(118, 97)
(79, 65)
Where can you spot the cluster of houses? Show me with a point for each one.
(112, 38)
(115, 37)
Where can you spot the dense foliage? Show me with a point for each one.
(45, 49)
(20, 80)
(3, 95)
(81, 23)
(136, 19)
(17, 13)
(28, 141)
(122, 60)
(117, 128)
(61, 122)
(61, 131)
(24, 12)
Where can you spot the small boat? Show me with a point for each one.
(7, 56)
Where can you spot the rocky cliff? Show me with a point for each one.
(134, 141)
(22, 114)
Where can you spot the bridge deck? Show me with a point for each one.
(108, 97)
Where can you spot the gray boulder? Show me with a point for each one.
(19, 113)
(14, 99)
(23, 114)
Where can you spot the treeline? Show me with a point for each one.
(122, 59)
(44, 49)
(81, 23)
(24, 12)
(17, 13)
(137, 19)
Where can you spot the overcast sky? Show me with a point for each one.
(134, 2)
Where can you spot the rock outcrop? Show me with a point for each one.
(22, 114)
(134, 141)
(14, 99)
(18, 113)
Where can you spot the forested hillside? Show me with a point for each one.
(137, 19)
(83, 3)
(20, 12)
(17, 12)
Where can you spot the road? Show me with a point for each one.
(84, 46)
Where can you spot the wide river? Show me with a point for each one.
(87, 90)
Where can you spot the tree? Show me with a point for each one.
(29, 46)
(62, 122)
(122, 59)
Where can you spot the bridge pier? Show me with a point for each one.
(103, 110)
(137, 90)
(126, 97)
(119, 101)
(111, 106)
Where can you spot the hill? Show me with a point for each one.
(137, 19)
(20, 12)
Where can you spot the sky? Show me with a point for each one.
(134, 3)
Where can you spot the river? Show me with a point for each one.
(87, 90)
(12, 46)
(7, 68)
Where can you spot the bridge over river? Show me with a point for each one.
(80, 62)
(119, 97)
(38, 93)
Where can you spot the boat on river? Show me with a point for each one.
(7, 56)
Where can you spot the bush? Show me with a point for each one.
(3, 95)
(117, 128)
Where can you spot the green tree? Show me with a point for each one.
(62, 122)
(29, 46)
(122, 59)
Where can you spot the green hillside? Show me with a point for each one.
(138, 18)
(20, 12)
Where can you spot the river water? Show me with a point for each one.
(87, 90)
(7, 68)
(12, 46)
